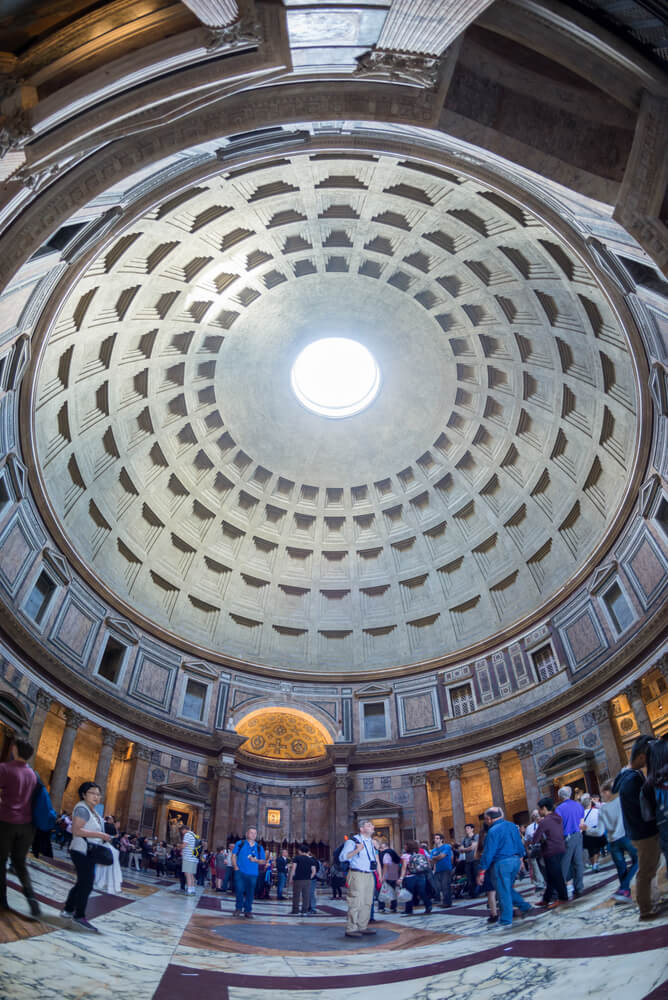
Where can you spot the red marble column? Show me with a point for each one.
(59, 780)
(104, 760)
(421, 807)
(454, 773)
(525, 753)
(601, 714)
(39, 715)
(493, 769)
(221, 810)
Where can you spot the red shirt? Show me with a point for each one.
(17, 784)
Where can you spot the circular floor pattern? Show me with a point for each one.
(302, 938)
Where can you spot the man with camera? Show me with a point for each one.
(362, 857)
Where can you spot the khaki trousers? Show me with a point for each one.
(361, 886)
(649, 852)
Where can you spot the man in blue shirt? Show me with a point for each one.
(246, 857)
(441, 855)
(572, 815)
(501, 856)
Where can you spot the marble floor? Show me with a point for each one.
(157, 944)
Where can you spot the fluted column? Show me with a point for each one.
(297, 814)
(104, 760)
(39, 715)
(634, 694)
(601, 714)
(141, 757)
(221, 808)
(421, 807)
(494, 770)
(341, 807)
(525, 753)
(72, 722)
(252, 817)
(454, 773)
(214, 13)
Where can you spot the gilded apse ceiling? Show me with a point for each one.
(186, 476)
(283, 735)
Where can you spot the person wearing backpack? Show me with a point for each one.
(17, 786)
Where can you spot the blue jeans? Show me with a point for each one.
(503, 873)
(282, 879)
(417, 884)
(617, 848)
(245, 886)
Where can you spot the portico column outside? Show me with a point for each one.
(72, 722)
(104, 760)
(39, 718)
(601, 714)
(140, 761)
(421, 807)
(493, 769)
(634, 694)
(525, 753)
(221, 808)
(454, 773)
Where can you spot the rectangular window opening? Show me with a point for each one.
(40, 597)
(194, 700)
(618, 607)
(374, 721)
(111, 660)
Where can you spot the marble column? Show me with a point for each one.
(634, 694)
(252, 817)
(454, 773)
(525, 753)
(493, 765)
(104, 760)
(221, 805)
(39, 715)
(601, 715)
(141, 757)
(297, 814)
(59, 780)
(342, 820)
(421, 807)
(214, 13)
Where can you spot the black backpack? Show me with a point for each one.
(343, 866)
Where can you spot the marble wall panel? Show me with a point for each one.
(646, 569)
(18, 546)
(582, 636)
(75, 627)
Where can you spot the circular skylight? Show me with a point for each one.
(335, 377)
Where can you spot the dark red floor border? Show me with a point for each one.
(180, 983)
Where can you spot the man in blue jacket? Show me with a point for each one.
(501, 856)
(246, 858)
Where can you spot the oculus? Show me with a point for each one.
(335, 377)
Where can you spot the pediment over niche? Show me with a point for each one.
(202, 669)
(374, 691)
(378, 807)
(58, 564)
(122, 628)
(601, 576)
(182, 791)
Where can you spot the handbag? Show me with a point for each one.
(404, 895)
(43, 814)
(535, 851)
(386, 894)
(99, 854)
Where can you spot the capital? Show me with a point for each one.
(44, 700)
(73, 719)
(253, 788)
(494, 762)
(454, 772)
(342, 781)
(634, 691)
(600, 714)
(419, 779)
(223, 771)
(298, 793)
(524, 750)
(109, 738)
(140, 752)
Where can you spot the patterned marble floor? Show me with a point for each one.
(157, 944)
